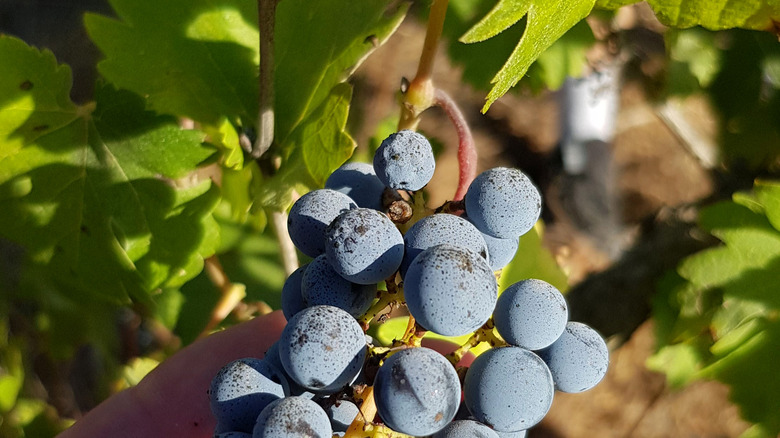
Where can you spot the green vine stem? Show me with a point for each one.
(231, 294)
(392, 297)
(266, 12)
(420, 94)
(483, 334)
(286, 246)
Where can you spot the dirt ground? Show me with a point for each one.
(654, 167)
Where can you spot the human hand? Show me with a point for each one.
(172, 401)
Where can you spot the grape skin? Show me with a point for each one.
(438, 229)
(292, 417)
(272, 357)
(450, 290)
(322, 285)
(578, 359)
(503, 202)
(508, 388)
(466, 429)
(531, 314)
(292, 298)
(322, 348)
(404, 161)
(311, 214)
(243, 388)
(501, 251)
(359, 182)
(417, 391)
(364, 246)
(341, 415)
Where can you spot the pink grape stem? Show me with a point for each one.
(467, 152)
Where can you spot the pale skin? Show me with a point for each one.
(172, 401)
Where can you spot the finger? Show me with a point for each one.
(172, 401)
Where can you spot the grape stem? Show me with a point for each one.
(366, 415)
(483, 334)
(390, 297)
(363, 427)
(266, 12)
(467, 152)
(419, 95)
(286, 245)
(231, 294)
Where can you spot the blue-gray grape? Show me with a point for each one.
(508, 388)
(578, 359)
(322, 348)
(311, 214)
(241, 389)
(233, 435)
(503, 202)
(359, 182)
(364, 246)
(450, 290)
(404, 161)
(466, 429)
(531, 314)
(417, 391)
(441, 228)
(293, 388)
(322, 285)
(501, 251)
(341, 413)
(292, 417)
(292, 298)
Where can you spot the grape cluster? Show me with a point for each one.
(324, 373)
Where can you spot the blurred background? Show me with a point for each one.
(660, 124)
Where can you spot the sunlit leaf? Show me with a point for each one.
(547, 21)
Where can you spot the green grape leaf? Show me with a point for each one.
(680, 362)
(199, 58)
(193, 58)
(718, 14)
(137, 369)
(532, 260)
(746, 371)
(547, 21)
(12, 377)
(318, 45)
(768, 194)
(225, 137)
(319, 146)
(694, 60)
(746, 266)
(92, 199)
(719, 318)
(480, 61)
(614, 4)
(565, 57)
(713, 15)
